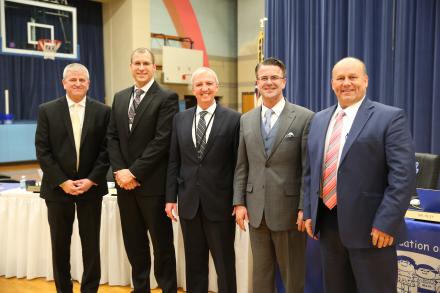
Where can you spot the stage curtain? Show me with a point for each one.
(33, 80)
(399, 41)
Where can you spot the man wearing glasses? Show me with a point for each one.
(268, 186)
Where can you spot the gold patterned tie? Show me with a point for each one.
(76, 127)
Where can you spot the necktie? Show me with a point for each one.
(329, 195)
(76, 127)
(267, 116)
(134, 105)
(201, 135)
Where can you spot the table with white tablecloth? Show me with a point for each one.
(25, 248)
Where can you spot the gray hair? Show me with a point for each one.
(202, 70)
(75, 67)
(142, 51)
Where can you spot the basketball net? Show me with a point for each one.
(49, 48)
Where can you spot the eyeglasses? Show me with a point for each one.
(272, 78)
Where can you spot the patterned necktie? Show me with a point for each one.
(331, 164)
(267, 116)
(76, 127)
(134, 105)
(201, 135)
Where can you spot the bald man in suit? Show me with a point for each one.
(361, 179)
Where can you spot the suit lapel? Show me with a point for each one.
(364, 113)
(285, 120)
(186, 131)
(65, 114)
(89, 111)
(256, 120)
(215, 129)
(321, 128)
(148, 98)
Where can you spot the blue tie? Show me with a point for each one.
(267, 117)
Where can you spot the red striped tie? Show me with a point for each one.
(331, 164)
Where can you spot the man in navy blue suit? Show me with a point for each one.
(359, 185)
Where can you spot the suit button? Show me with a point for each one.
(267, 165)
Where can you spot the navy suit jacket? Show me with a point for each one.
(376, 173)
(208, 182)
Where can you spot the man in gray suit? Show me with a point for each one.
(268, 186)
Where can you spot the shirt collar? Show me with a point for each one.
(277, 109)
(211, 109)
(70, 102)
(146, 87)
(351, 110)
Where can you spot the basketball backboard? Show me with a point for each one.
(24, 22)
(179, 63)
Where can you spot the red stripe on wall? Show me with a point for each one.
(186, 24)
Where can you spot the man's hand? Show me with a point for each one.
(84, 184)
(125, 179)
(241, 216)
(381, 239)
(300, 222)
(309, 228)
(171, 210)
(69, 187)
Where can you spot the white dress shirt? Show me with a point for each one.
(145, 88)
(277, 109)
(347, 122)
(210, 110)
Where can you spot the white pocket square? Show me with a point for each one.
(289, 135)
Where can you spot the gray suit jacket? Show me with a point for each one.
(273, 184)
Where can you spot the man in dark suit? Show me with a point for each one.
(71, 149)
(200, 176)
(361, 179)
(268, 187)
(138, 144)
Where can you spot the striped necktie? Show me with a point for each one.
(201, 135)
(134, 105)
(329, 177)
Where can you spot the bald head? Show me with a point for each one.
(352, 61)
(349, 81)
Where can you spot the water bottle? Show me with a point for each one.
(23, 182)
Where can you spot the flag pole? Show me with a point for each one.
(260, 58)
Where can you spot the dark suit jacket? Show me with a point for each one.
(144, 149)
(376, 174)
(208, 182)
(56, 153)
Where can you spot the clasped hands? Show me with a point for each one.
(379, 238)
(125, 179)
(77, 187)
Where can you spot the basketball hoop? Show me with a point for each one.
(49, 47)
